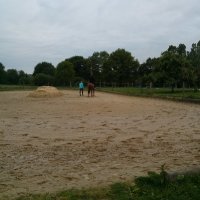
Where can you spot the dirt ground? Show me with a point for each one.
(51, 144)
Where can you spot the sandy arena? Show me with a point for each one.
(51, 144)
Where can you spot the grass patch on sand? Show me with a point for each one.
(151, 187)
(28, 87)
(165, 93)
(16, 87)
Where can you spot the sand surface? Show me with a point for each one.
(51, 144)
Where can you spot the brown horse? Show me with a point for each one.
(90, 89)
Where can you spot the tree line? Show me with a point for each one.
(175, 67)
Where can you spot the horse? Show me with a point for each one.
(90, 89)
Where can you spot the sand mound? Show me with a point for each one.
(45, 91)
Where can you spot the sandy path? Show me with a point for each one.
(52, 144)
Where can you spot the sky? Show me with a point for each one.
(34, 31)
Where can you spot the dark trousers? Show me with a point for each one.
(81, 91)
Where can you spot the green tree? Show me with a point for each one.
(108, 73)
(124, 66)
(174, 69)
(171, 68)
(65, 73)
(12, 76)
(44, 68)
(2, 74)
(22, 76)
(43, 79)
(80, 67)
(194, 58)
(95, 64)
(147, 72)
(44, 74)
(187, 73)
(24, 79)
(181, 50)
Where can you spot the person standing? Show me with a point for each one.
(81, 87)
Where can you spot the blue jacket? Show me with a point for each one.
(81, 85)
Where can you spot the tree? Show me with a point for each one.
(43, 79)
(24, 79)
(12, 76)
(80, 67)
(44, 68)
(171, 68)
(124, 66)
(2, 74)
(44, 74)
(95, 64)
(64, 73)
(147, 72)
(108, 73)
(174, 69)
(194, 58)
(181, 50)
(187, 73)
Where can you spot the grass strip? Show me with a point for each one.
(16, 87)
(151, 187)
(187, 95)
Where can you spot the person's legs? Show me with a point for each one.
(81, 91)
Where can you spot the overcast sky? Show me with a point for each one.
(33, 31)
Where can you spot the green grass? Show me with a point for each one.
(178, 94)
(16, 87)
(29, 87)
(151, 187)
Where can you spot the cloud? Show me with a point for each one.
(48, 30)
